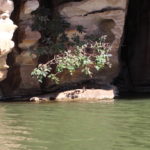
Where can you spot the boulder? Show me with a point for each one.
(78, 95)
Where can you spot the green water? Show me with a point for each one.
(122, 125)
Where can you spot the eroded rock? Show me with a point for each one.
(6, 6)
(102, 17)
(28, 40)
(7, 28)
(86, 7)
(30, 6)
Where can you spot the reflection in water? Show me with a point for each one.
(124, 125)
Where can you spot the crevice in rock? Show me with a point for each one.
(106, 9)
(15, 17)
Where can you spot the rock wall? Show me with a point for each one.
(105, 17)
(97, 16)
(28, 40)
(7, 28)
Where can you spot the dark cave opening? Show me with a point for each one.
(135, 50)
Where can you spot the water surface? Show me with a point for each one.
(122, 125)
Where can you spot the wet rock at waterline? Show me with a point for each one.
(78, 95)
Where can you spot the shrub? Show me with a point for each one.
(85, 57)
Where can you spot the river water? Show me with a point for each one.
(122, 125)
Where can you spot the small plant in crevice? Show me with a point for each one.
(91, 54)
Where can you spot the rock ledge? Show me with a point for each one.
(78, 95)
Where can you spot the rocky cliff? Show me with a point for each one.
(17, 59)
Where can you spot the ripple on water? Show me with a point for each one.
(123, 125)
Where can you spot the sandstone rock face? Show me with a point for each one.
(28, 40)
(6, 6)
(105, 17)
(7, 29)
(30, 6)
(87, 6)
